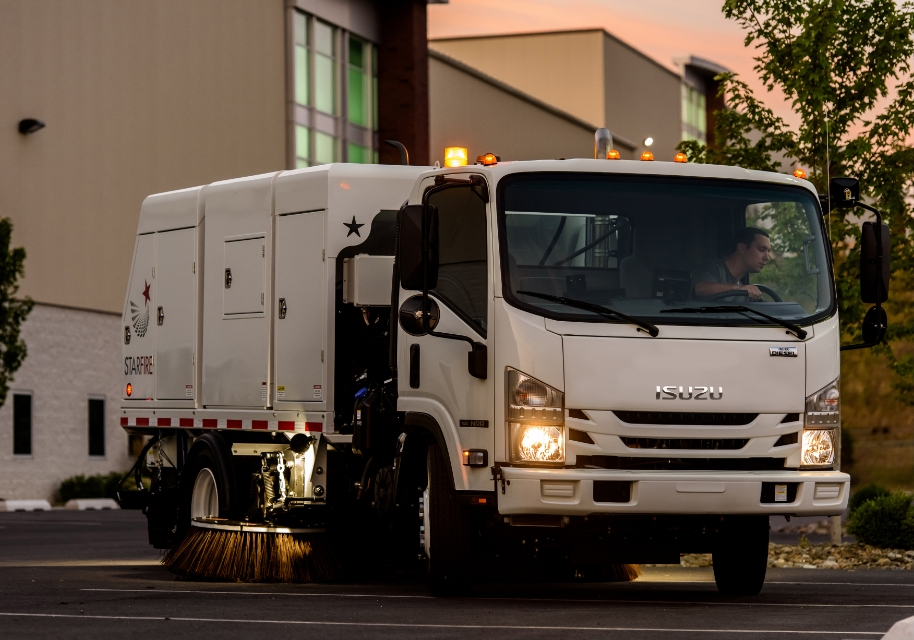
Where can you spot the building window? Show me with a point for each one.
(96, 426)
(325, 72)
(334, 94)
(22, 424)
(694, 114)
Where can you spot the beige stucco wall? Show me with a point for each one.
(466, 111)
(642, 99)
(564, 69)
(138, 97)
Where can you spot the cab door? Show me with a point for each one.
(433, 371)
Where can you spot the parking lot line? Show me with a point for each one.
(559, 600)
(408, 625)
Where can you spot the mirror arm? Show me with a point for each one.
(870, 345)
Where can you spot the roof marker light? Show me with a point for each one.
(800, 173)
(455, 156)
(612, 154)
(647, 155)
(681, 157)
(487, 159)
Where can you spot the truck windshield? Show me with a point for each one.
(647, 246)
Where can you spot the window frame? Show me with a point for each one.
(104, 426)
(31, 396)
(460, 313)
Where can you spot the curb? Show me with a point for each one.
(24, 505)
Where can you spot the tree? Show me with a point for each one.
(13, 311)
(846, 68)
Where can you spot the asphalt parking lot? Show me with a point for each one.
(91, 575)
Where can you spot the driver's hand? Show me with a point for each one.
(754, 293)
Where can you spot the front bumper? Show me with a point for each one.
(569, 492)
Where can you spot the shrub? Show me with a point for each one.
(884, 521)
(103, 485)
(863, 494)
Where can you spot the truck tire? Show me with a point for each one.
(447, 531)
(740, 556)
(206, 486)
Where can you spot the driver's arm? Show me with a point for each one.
(708, 288)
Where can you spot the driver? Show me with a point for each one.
(750, 252)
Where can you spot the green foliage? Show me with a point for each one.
(863, 494)
(845, 66)
(97, 486)
(884, 521)
(12, 311)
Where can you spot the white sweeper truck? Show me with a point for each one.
(553, 368)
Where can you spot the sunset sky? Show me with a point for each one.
(663, 29)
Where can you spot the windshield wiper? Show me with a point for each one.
(647, 327)
(794, 329)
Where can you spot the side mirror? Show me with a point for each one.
(874, 262)
(417, 245)
(844, 192)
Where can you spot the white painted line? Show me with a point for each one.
(852, 584)
(80, 563)
(406, 625)
(520, 599)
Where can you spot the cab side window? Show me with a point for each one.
(463, 275)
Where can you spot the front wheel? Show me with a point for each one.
(447, 531)
(740, 556)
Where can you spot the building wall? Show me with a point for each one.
(72, 355)
(642, 99)
(467, 109)
(564, 69)
(138, 98)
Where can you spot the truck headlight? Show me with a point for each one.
(820, 440)
(535, 416)
(819, 448)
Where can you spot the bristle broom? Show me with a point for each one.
(211, 554)
(623, 572)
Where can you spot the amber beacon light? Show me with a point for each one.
(647, 155)
(800, 173)
(455, 156)
(612, 154)
(487, 159)
(680, 157)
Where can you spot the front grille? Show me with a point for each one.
(686, 443)
(685, 418)
(679, 464)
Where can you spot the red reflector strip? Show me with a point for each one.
(286, 425)
(209, 423)
(314, 426)
(260, 425)
(164, 422)
(186, 422)
(142, 422)
(125, 422)
(233, 424)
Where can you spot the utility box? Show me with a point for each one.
(366, 280)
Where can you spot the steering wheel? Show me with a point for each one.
(745, 294)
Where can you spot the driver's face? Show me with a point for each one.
(758, 253)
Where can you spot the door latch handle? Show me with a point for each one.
(161, 317)
(228, 278)
(282, 308)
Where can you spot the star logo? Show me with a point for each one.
(353, 227)
(146, 292)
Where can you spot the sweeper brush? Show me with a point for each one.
(622, 572)
(241, 555)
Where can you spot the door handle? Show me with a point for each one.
(160, 320)
(282, 308)
(228, 278)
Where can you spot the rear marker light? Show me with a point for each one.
(129, 390)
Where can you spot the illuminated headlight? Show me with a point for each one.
(535, 416)
(819, 448)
